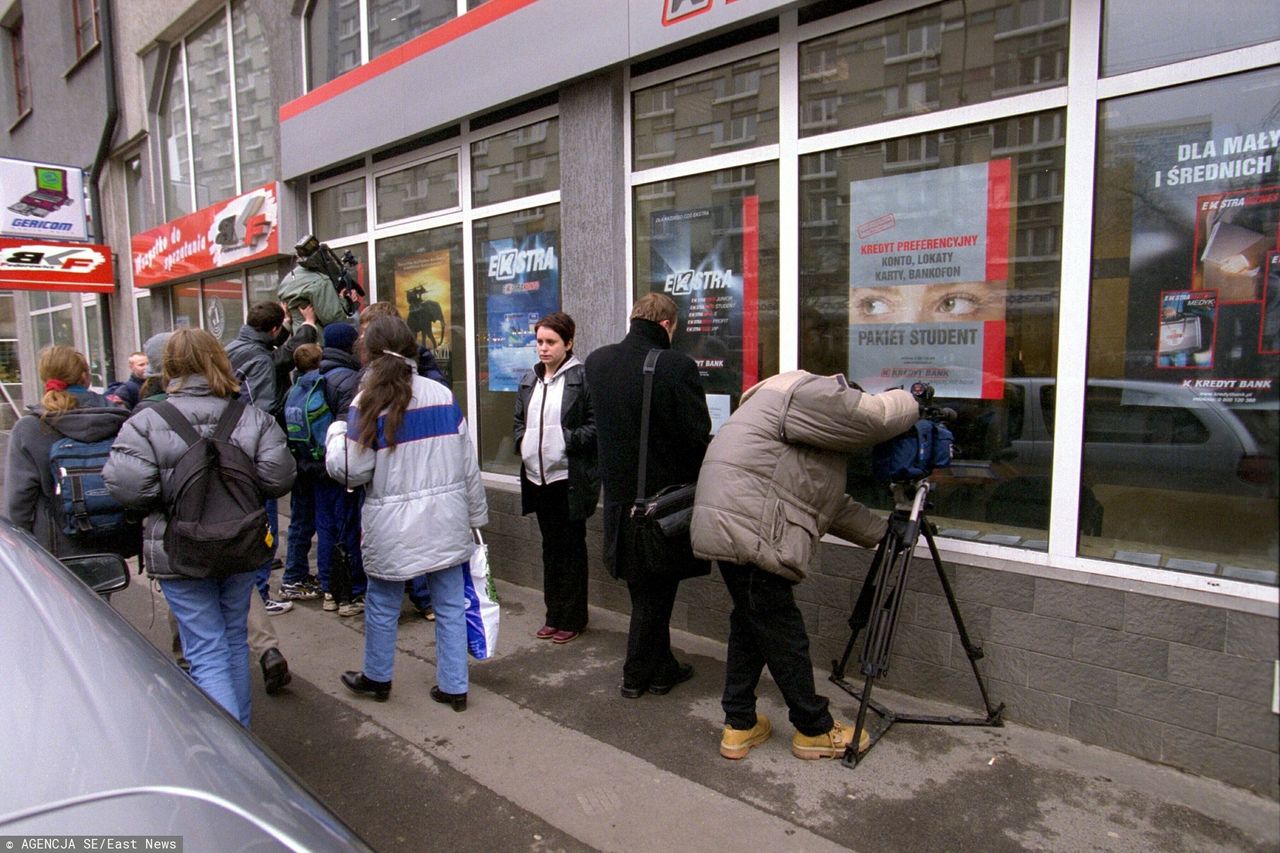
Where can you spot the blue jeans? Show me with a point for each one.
(262, 577)
(213, 624)
(302, 526)
(338, 517)
(382, 613)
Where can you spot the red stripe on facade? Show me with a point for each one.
(993, 360)
(750, 291)
(998, 220)
(412, 49)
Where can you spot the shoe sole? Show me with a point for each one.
(351, 613)
(735, 753)
(560, 641)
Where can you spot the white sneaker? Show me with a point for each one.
(275, 608)
(352, 608)
(330, 603)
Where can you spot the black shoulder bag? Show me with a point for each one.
(660, 523)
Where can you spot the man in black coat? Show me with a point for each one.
(679, 431)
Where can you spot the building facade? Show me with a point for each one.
(1064, 215)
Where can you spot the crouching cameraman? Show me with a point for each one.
(320, 280)
(771, 484)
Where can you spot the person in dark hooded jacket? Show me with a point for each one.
(67, 409)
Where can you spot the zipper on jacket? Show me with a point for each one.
(542, 411)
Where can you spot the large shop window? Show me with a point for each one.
(519, 163)
(1136, 35)
(711, 243)
(50, 319)
(729, 108)
(425, 188)
(422, 274)
(339, 211)
(224, 309)
(936, 258)
(1181, 408)
(211, 128)
(949, 55)
(517, 280)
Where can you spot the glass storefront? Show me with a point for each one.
(422, 274)
(517, 276)
(340, 210)
(516, 164)
(1182, 409)
(711, 243)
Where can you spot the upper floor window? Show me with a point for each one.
(336, 43)
(21, 80)
(84, 16)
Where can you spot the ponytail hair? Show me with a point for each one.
(387, 387)
(60, 367)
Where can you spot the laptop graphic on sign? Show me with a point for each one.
(50, 193)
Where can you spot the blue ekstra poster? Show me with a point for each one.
(522, 284)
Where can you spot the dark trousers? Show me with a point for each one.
(302, 526)
(649, 659)
(564, 557)
(338, 520)
(766, 629)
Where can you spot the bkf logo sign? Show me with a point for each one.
(674, 11)
(75, 267)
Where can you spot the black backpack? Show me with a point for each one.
(217, 523)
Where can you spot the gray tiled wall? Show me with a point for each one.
(1171, 681)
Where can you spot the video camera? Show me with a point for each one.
(318, 257)
(915, 454)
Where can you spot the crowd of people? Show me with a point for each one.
(353, 420)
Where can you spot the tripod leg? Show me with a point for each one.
(973, 652)
(861, 609)
(851, 751)
(888, 601)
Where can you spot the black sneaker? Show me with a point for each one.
(275, 671)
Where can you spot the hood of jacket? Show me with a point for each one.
(86, 422)
(332, 357)
(249, 335)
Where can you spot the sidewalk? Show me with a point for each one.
(546, 729)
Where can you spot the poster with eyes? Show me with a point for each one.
(928, 273)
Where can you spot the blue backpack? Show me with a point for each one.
(307, 416)
(83, 508)
(914, 454)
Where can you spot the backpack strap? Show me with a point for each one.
(227, 422)
(178, 421)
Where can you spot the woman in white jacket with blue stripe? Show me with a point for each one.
(406, 441)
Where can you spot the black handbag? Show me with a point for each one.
(659, 524)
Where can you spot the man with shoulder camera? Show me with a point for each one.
(311, 282)
(771, 485)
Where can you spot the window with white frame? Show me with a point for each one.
(335, 42)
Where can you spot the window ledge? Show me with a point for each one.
(84, 58)
(20, 119)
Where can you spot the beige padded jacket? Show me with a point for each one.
(773, 480)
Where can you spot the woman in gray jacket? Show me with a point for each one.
(555, 435)
(211, 611)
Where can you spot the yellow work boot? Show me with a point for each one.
(830, 744)
(736, 743)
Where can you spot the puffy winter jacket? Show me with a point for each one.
(421, 498)
(250, 355)
(28, 480)
(773, 480)
(139, 472)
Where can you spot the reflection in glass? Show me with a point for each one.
(210, 91)
(725, 109)
(497, 239)
(255, 115)
(943, 56)
(333, 40)
(339, 211)
(1134, 38)
(1182, 409)
(998, 488)
(224, 309)
(394, 22)
(146, 328)
(711, 242)
(418, 189)
(95, 352)
(173, 139)
(515, 164)
(422, 275)
(186, 306)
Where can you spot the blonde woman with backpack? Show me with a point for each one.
(211, 608)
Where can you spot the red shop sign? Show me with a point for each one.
(241, 229)
(32, 264)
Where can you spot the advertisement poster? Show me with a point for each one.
(709, 265)
(42, 200)
(233, 231)
(1206, 221)
(70, 267)
(424, 297)
(928, 274)
(522, 284)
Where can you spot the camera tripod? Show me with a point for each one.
(877, 609)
